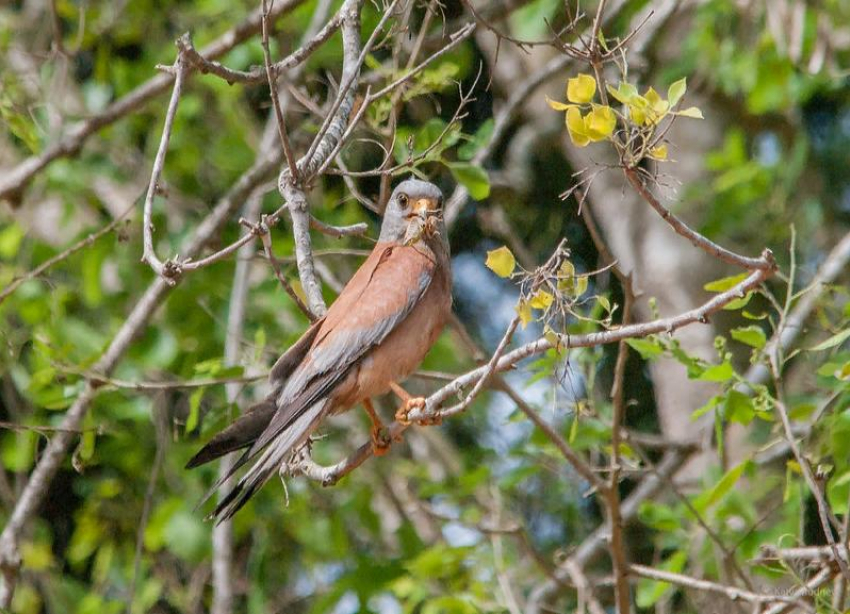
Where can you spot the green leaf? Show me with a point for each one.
(650, 591)
(738, 303)
(711, 404)
(659, 516)
(838, 491)
(834, 341)
(676, 91)
(739, 408)
(801, 411)
(10, 241)
(647, 348)
(477, 141)
(750, 335)
(473, 178)
(501, 261)
(717, 373)
(722, 488)
(194, 408)
(449, 605)
(722, 285)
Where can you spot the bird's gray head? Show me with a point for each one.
(410, 205)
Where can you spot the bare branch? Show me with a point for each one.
(354, 230)
(682, 229)
(267, 6)
(267, 248)
(324, 143)
(833, 265)
(731, 592)
(432, 412)
(578, 463)
(612, 493)
(168, 270)
(596, 543)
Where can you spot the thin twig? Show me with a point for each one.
(612, 494)
(267, 6)
(166, 270)
(86, 242)
(730, 592)
(682, 229)
(287, 287)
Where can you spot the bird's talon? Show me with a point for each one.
(402, 416)
(381, 441)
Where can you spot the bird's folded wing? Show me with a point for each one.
(378, 298)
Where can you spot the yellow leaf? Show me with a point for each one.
(659, 153)
(580, 285)
(558, 106)
(523, 310)
(569, 283)
(541, 300)
(581, 89)
(501, 261)
(623, 93)
(691, 112)
(676, 91)
(551, 336)
(36, 556)
(657, 105)
(299, 290)
(575, 125)
(600, 123)
(638, 107)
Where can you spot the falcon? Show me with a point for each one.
(374, 335)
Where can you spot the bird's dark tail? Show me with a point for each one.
(272, 458)
(241, 434)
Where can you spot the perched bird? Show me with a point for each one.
(376, 333)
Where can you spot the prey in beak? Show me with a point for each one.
(424, 217)
(425, 207)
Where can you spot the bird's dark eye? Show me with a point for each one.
(402, 200)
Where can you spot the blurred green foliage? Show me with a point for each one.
(407, 532)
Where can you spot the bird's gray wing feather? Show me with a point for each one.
(328, 363)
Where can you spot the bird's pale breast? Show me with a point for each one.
(403, 350)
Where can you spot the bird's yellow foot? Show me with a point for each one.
(403, 413)
(380, 436)
(381, 440)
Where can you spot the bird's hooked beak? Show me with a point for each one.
(424, 207)
(423, 219)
